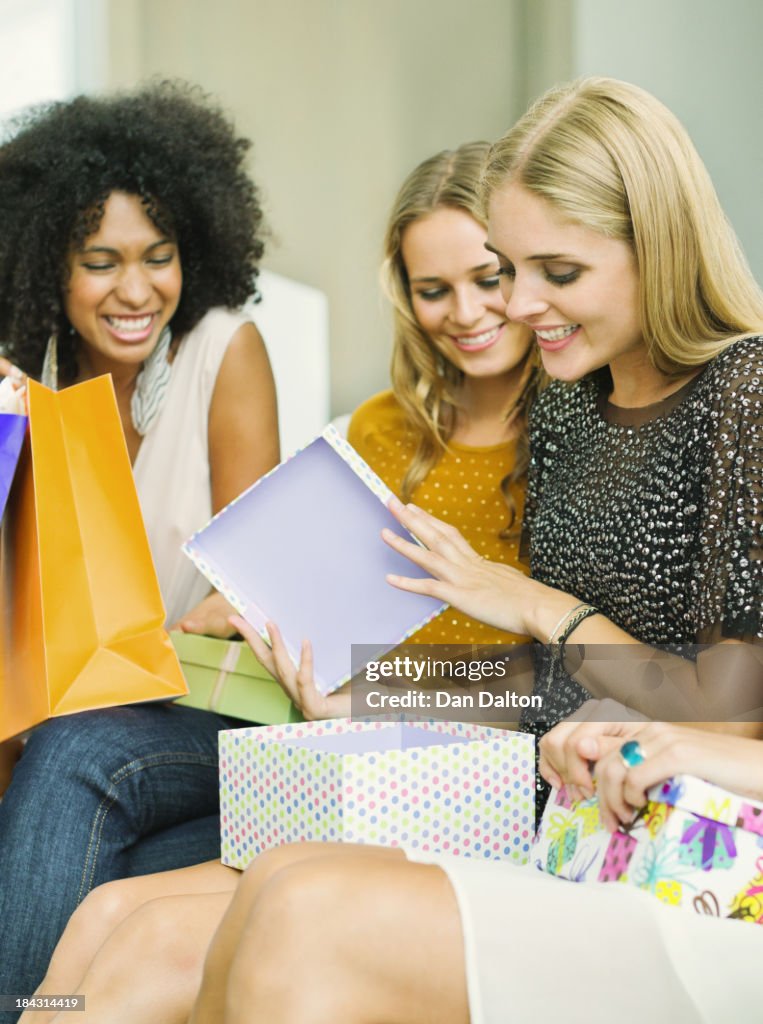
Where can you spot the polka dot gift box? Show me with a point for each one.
(694, 846)
(456, 787)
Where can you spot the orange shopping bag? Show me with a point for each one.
(82, 615)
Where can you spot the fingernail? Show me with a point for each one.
(588, 747)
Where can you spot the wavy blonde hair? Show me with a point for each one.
(425, 383)
(611, 157)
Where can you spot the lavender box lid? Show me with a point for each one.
(302, 548)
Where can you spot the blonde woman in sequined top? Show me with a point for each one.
(645, 495)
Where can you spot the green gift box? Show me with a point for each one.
(224, 676)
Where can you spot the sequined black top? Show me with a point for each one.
(652, 515)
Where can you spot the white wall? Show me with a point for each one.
(36, 55)
(50, 50)
(702, 58)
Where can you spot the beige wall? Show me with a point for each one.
(341, 98)
(701, 58)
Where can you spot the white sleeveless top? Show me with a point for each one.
(172, 468)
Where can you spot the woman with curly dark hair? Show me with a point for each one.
(131, 235)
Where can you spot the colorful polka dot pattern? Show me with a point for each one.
(474, 798)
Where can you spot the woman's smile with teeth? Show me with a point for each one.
(130, 323)
(478, 340)
(556, 333)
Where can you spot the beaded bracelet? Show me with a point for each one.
(572, 624)
(561, 622)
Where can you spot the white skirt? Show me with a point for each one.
(542, 949)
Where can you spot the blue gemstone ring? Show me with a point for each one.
(632, 754)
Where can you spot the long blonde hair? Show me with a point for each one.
(610, 156)
(424, 382)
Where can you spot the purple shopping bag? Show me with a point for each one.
(12, 431)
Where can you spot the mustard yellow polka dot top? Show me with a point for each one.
(463, 489)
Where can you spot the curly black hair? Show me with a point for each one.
(166, 142)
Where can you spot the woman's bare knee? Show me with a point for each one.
(151, 965)
(298, 910)
(99, 914)
(339, 924)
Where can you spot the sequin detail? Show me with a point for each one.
(655, 518)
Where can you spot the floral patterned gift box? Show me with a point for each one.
(434, 786)
(693, 845)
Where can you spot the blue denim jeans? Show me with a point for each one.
(98, 796)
